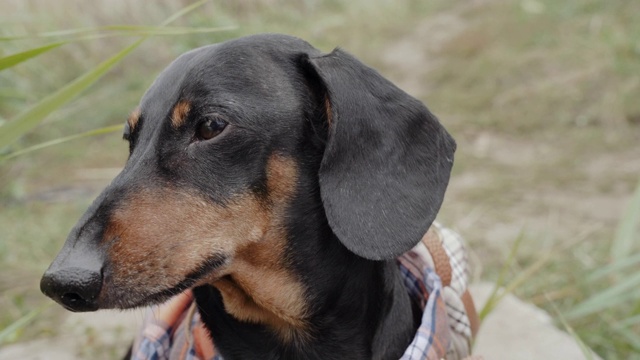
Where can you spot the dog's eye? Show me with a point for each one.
(126, 135)
(211, 128)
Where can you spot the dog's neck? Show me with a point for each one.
(362, 312)
(328, 303)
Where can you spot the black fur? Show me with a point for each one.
(373, 169)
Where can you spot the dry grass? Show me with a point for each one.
(541, 96)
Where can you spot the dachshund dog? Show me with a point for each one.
(277, 182)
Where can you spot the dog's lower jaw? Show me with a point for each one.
(375, 324)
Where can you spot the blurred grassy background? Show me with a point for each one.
(542, 96)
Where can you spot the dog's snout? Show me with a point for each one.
(75, 288)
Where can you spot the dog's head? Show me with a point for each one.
(218, 148)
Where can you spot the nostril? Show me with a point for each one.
(71, 298)
(76, 289)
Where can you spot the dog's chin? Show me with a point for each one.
(141, 295)
(124, 300)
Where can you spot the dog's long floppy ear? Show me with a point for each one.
(387, 160)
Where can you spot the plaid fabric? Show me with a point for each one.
(174, 331)
(445, 331)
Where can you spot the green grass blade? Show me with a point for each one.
(495, 298)
(27, 120)
(46, 144)
(627, 233)
(163, 30)
(14, 59)
(631, 339)
(123, 30)
(628, 322)
(91, 30)
(9, 332)
(615, 267)
(184, 11)
(586, 351)
(492, 301)
(621, 292)
(57, 33)
(525, 275)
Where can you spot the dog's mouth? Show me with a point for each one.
(126, 288)
(151, 293)
(206, 272)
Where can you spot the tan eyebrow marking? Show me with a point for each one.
(180, 112)
(134, 117)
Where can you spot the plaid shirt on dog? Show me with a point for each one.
(435, 273)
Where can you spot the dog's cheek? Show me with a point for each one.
(161, 237)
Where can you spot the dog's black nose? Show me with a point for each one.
(74, 288)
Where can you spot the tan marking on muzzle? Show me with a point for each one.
(180, 113)
(161, 236)
(133, 119)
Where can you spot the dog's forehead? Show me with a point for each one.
(254, 72)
